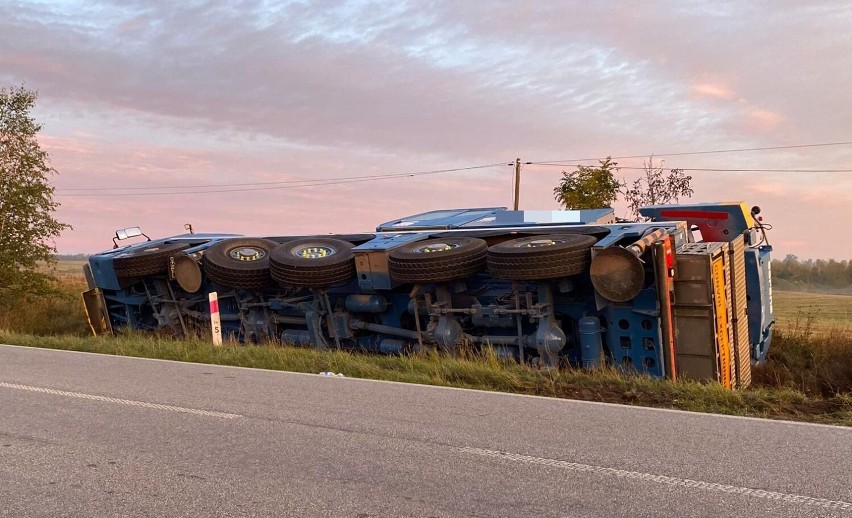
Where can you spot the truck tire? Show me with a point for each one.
(437, 260)
(149, 259)
(241, 263)
(540, 257)
(313, 262)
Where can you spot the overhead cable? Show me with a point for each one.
(718, 170)
(289, 184)
(716, 151)
(292, 184)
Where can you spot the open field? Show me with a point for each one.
(68, 271)
(821, 312)
(68, 267)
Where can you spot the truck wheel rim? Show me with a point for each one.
(539, 243)
(435, 248)
(314, 251)
(247, 253)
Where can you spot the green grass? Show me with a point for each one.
(822, 313)
(485, 372)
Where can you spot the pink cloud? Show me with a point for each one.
(37, 62)
(157, 101)
(763, 120)
(55, 144)
(772, 188)
(716, 91)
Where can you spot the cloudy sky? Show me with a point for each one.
(228, 115)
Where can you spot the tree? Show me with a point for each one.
(27, 225)
(656, 187)
(588, 187)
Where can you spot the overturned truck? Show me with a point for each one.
(686, 294)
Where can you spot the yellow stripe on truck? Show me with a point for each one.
(722, 341)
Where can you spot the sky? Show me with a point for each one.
(236, 116)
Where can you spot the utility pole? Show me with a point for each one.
(517, 182)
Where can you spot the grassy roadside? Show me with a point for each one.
(808, 376)
(484, 372)
(61, 313)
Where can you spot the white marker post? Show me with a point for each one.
(215, 321)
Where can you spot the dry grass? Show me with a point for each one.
(45, 315)
(815, 364)
(812, 346)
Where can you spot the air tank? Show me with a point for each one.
(363, 303)
(591, 347)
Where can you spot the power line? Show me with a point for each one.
(720, 170)
(279, 182)
(267, 185)
(205, 186)
(292, 184)
(716, 151)
(761, 170)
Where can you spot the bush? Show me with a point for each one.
(59, 314)
(816, 364)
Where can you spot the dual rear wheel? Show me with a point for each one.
(321, 262)
(541, 257)
(528, 258)
(250, 264)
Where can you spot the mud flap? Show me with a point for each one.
(96, 312)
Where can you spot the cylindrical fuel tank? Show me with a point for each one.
(296, 337)
(591, 347)
(363, 303)
(392, 346)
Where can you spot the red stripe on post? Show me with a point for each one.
(214, 306)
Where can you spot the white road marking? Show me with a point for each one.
(663, 479)
(554, 400)
(130, 402)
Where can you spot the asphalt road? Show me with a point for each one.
(90, 435)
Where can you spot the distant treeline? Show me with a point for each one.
(71, 257)
(812, 275)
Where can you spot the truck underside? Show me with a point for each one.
(546, 288)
